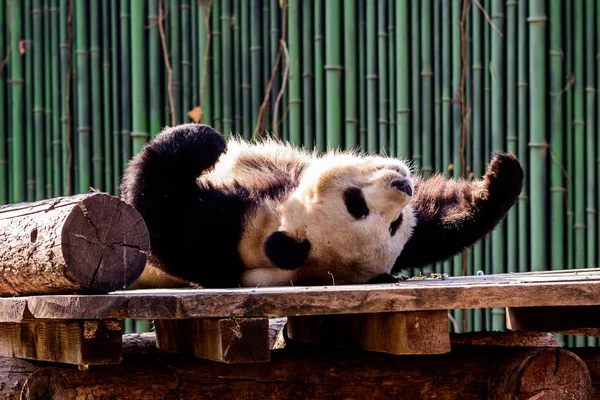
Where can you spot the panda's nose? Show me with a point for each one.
(403, 186)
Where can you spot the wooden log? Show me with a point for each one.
(148, 373)
(228, 340)
(72, 342)
(418, 332)
(90, 242)
(542, 374)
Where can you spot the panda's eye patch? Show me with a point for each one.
(355, 202)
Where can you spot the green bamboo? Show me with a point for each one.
(523, 126)
(333, 69)
(227, 64)
(391, 48)
(196, 57)
(256, 93)
(29, 128)
(246, 63)
(557, 188)
(437, 84)
(275, 23)
(116, 98)
(5, 26)
(186, 60)
(204, 51)
(569, 145)
(139, 79)
(56, 102)
(308, 64)
(83, 98)
(267, 65)
(65, 132)
(47, 188)
(126, 85)
(362, 68)
(498, 106)
(295, 71)
(591, 135)
(174, 47)
(154, 53)
(427, 77)
(383, 77)
(446, 99)
(487, 32)
(579, 135)
(320, 112)
(478, 165)
(512, 225)
(96, 96)
(106, 106)
(371, 28)
(237, 68)
(415, 86)
(39, 174)
(598, 102)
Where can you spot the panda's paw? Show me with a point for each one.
(503, 180)
(387, 278)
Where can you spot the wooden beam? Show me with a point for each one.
(90, 242)
(308, 373)
(73, 342)
(419, 332)
(581, 320)
(228, 340)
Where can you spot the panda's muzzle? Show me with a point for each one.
(403, 186)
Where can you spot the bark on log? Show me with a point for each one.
(90, 242)
(306, 372)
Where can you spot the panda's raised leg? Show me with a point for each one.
(454, 214)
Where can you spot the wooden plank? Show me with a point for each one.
(419, 332)
(72, 342)
(228, 340)
(504, 339)
(582, 320)
(454, 293)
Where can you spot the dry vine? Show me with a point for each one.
(161, 31)
(207, 51)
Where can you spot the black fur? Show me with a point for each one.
(285, 252)
(194, 230)
(396, 224)
(356, 203)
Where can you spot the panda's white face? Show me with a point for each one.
(348, 221)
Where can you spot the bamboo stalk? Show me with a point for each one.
(308, 64)
(29, 129)
(437, 85)
(557, 188)
(591, 135)
(47, 188)
(579, 136)
(83, 98)
(38, 181)
(391, 32)
(246, 63)
(174, 18)
(333, 72)
(227, 64)
(487, 32)
(512, 225)
(186, 60)
(116, 98)
(205, 51)
(275, 22)
(96, 97)
(371, 77)
(237, 68)
(446, 99)
(266, 56)
(383, 76)
(56, 102)
(106, 97)
(295, 72)
(416, 86)
(154, 53)
(139, 80)
(427, 88)
(4, 195)
(196, 57)
(125, 83)
(320, 112)
(362, 68)
(523, 127)
(255, 62)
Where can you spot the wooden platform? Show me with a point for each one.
(232, 326)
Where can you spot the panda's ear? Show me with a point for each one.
(286, 252)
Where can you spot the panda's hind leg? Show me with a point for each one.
(454, 214)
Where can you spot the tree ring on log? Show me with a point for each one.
(101, 233)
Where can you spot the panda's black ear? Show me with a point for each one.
(285, 252)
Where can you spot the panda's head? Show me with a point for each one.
(346, 222)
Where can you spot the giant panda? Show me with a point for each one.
(230, 213)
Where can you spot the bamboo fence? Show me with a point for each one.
(444, 83)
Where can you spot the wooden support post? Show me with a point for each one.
(81, 342)
(569, 320)
(542, 374)
(419, 332)
(87, 242)
(228, 340)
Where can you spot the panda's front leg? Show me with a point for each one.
(453, 214)
(387, 278)
(261, 277)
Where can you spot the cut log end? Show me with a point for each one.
(105, 243)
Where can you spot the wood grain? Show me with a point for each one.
(507, 290)
(417, 332)
(75, 244)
